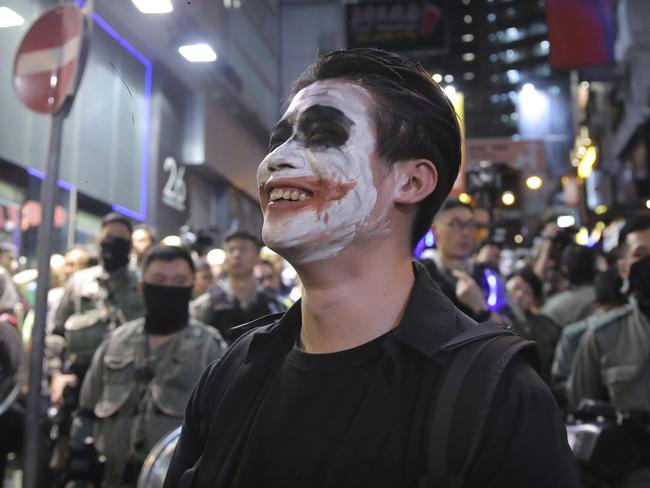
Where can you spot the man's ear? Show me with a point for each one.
(417, 180)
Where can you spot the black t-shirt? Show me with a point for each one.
(270, 415)
(302, 407)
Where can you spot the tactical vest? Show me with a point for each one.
(143, 399)
(97, 312)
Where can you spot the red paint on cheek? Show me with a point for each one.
(328, 191)
(323, 191)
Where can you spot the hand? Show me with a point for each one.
(468, 292)
(58, 385)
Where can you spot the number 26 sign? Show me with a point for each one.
(174, 192)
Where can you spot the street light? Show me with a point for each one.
(565, 221)
(600, 209)
(9, 18)
(465, 198)
(508, 198)
(450, 91)
(198, 53)
(534, 182)
(216, 257)
(174, 241)
(647, 204)
(586, 165)
(154, 6)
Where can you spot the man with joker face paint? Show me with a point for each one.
(341, 390)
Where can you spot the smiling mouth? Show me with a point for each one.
(289, 194)
(298, 193)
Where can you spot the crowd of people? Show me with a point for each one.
(133, 324)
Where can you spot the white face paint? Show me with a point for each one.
(317, 187)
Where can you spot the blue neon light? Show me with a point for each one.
(41, 176)
(493, 289)
(429, 239)
(140, 214)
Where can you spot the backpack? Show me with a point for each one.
(85, 331)
(480, 357)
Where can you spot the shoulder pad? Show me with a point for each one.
(612, 316)
(128, 328)
(197, 328)
(578, 327)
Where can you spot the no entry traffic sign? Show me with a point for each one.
(49, 60)
(47, 71)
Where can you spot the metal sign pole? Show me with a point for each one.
(34, 428)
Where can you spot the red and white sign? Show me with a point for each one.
(527, 156)
(48, 59)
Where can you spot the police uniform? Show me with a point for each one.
(133, 396)
(570, 306)
(220, 308)
(612, 362)
(94, 303)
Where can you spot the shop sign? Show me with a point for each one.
(397, 25)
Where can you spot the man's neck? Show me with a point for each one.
(243, 287)
(352, 299)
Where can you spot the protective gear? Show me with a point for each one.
(137, 396)
(167, 308)
(640, 283)
(114, 252)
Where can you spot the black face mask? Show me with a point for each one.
(640, 283)
(114, 252)
(167, 308)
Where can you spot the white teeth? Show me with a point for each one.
(279, 194)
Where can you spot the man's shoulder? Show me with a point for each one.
(608, 323)
(127, 330)
(556, 300)
(201, 331)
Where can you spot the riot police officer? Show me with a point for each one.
(95, 300)
(143, 373)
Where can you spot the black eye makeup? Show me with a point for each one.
(280, 133)
(324, 126)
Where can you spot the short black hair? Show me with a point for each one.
(451, 203)
(635, 223)
(115, 218)
(580, 264)
(160, 252)
(266, 262)
(413, 117)
(528, 275)
(488, 241)
(148, 229)
(608, 286)
(201, 263)
(242, 234)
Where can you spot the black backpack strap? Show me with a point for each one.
(481, 355)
